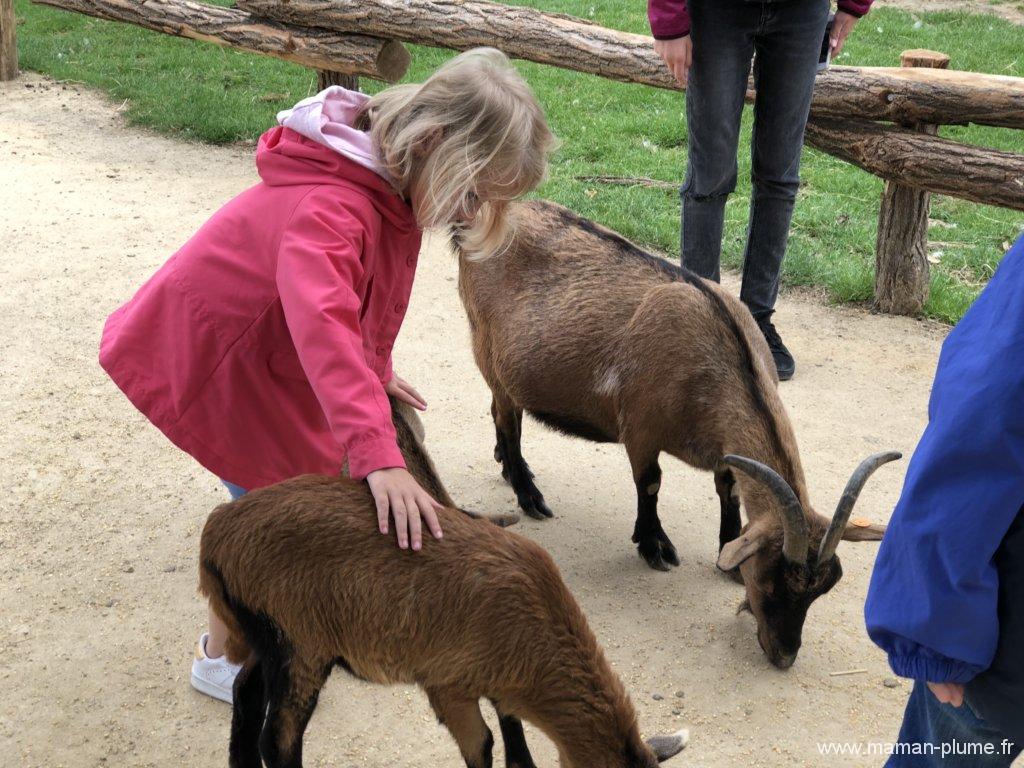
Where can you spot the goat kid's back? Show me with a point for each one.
(308, 555)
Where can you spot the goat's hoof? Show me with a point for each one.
(533, 505)
(658, 554)
(668, 551)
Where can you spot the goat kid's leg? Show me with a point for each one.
(508, 422)
(292, 690)
(248, 709)
(517, 752)
(461, 716)
(651, 540)
(729, 529)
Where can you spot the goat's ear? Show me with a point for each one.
(665, 747)
(861, 530)
(739, 549)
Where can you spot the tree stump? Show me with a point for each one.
(902, 275)
(8, 42)
(325, 78)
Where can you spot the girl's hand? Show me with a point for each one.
(948, 693)
(677, 54)
(396, 491)
(841, 28)
(401, 389)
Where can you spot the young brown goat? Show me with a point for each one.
(305, 583)
(599, 339)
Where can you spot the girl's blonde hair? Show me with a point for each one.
(472, 134)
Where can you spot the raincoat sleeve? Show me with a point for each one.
(933, 596)
(319, 267)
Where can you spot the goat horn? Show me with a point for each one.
(845, 507)
(794, 524)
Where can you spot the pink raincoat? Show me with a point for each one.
(262, 346)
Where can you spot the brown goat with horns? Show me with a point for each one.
(305, 583)
(599, 339)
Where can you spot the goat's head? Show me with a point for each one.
(788, 563)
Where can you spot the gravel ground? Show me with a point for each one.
(100, 515)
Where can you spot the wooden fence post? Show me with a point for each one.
(8, 42)
(325, 78)
(901, 250)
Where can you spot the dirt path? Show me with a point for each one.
(99, 514)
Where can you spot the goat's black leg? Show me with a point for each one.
(508, 420)
(651, 540)
(517, 752)
(499, 452)
(249, 707)
(292, 691)
(461, 716)
(730, 526)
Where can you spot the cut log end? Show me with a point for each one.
(393, 61)
(922, 57)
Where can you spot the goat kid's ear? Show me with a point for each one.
(665, 747)
(861, 530)
(739, 549)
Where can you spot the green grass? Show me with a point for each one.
(203, 92)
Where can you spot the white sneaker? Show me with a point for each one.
(214, 677)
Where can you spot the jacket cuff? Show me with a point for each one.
(673, 35)
(371, 455)
(932, 669)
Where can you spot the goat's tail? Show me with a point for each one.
(213, 587)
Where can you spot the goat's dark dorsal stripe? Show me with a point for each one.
(680, 274)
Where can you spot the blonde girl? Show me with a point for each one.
(263, 346)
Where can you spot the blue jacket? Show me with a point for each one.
(933, 597)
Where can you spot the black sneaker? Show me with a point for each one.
(784, 362)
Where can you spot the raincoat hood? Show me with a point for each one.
(317, 143)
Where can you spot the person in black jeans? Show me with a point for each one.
(708, 45)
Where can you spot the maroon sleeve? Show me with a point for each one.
(670, 19)
(853, 7)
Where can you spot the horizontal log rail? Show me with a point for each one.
(351, 54)
(922, 161)
(877, 93)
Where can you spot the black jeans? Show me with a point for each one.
(786, 37)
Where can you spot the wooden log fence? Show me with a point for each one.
(345, 39)
(8, 43)
(882, 93)
(352, 54)
(902, 275)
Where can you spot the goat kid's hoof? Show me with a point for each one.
(659, 555)
(503, 520)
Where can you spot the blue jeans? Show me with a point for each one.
(958, 730)
(786, 38)
(235, 490)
